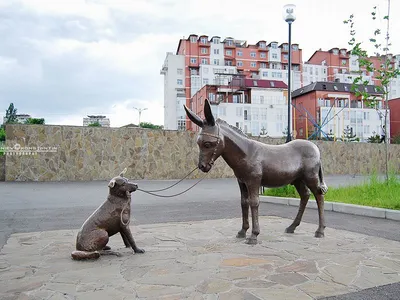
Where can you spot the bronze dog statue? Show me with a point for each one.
(111, 217)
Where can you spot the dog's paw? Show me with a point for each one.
(139, 250)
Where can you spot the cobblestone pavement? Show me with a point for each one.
(200, 260)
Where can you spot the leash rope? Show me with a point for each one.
(164, 189)
(169, 196)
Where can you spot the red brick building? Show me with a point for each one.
(394, 106)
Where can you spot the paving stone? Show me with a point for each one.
(302, 266)
(254, 284)
(200, 260)
(279, 292)
(288, 279)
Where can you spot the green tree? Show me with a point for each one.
(348, 135)
(11, 114)
(95, 124)
(385, 73)
(374, 138)
(35, 121)
(150, 125)
(2, 134)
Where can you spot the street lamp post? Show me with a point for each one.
(289, 16)
(140, 112)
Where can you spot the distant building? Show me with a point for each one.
(256, 106)
(394, 106)
(335, 107)
(102, 120)
(21, 118)
(201, 60)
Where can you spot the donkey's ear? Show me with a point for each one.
(208, 113)
(193, 117)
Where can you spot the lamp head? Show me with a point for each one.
(289, 13)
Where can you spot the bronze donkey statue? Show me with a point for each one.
(256, 164)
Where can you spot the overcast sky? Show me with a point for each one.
(64, 59)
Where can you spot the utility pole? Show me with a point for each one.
(140, 112)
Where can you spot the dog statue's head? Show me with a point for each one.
(121, 186)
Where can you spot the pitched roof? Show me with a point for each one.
(333, 87)
(263, 83)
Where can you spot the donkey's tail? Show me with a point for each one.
(322, 185)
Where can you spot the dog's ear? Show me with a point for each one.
(111, 183)
(123, 172)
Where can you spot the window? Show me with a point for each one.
(274, 56)
(262, 45)
(216, 41)
(203, 40)
(274, 45)
(263, 65)
(205, 81)
(216, 62)
(228, 52)
(239, 63)
(193, 39)
(263, 55)
(252, 54)
(335, 51)
(285, 56)
(343, 52)
(204, 61)
(181, 125)
(239, 53)
(229, 42)
(193, 60)
(211, 96)
(216, 51)
(295, 47)
(286, 47)
(265, 74)
(179, 71)
(344, 62)
(253, 64)
(228, 63)
(179, 81)
(203, 50)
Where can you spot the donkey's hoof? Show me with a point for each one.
(289, 230)
(251, 241)
(319, 234)
(106, 248)
(241, 235)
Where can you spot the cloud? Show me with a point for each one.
(63, 60)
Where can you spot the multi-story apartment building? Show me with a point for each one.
(102, 120)
(258, 107)
(205, 60)
(335, 108)
(341, 66)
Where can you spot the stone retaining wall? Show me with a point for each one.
(92, 153)
(2, 167)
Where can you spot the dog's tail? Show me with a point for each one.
(81, 255)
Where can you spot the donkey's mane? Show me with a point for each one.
(238, 130)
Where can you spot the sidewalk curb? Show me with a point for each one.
(344, 208)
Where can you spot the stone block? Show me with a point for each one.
(359, 210)
(393, 214)
(274, 200)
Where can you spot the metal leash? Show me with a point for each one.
(169, 196)
(160, 190)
